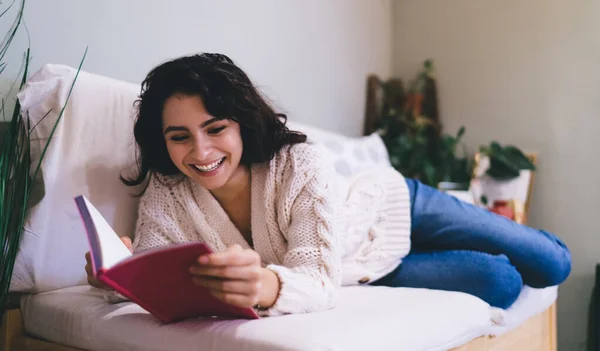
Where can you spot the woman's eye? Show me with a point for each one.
(178, 138)
(216, 130)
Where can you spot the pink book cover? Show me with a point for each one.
(158, 280)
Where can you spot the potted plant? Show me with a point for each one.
(499, 182)
(506, 162)
(413, 135)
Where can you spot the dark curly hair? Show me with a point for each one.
(227, 93)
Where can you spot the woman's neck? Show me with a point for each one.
(238, 187)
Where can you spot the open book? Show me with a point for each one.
(158, 280)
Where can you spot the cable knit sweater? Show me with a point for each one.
(310, 227)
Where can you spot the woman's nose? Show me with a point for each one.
(202, 149)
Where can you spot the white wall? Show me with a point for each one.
(311, 57)
(524, 72)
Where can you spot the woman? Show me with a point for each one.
(223, 168)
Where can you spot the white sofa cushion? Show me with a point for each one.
(365, 318)
(92, 145)
(349, 155)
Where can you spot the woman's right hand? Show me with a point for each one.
(90, 273)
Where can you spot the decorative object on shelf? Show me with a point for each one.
(409, 124)
(497, 186)
(503, 208)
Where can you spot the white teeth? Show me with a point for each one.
(209, 167)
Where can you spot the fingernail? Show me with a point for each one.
(203, 259)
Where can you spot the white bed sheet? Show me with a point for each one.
(530, 302)
(377, 318)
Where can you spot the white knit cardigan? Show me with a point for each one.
(312, 229)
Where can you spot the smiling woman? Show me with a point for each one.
(287, 231)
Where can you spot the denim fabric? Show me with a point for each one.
(460, 247)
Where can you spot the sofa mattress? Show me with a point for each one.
(530, 302)
(377, 318)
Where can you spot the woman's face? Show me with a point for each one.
(205, 149)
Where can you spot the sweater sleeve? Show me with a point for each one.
(161, 220)
(310, 274)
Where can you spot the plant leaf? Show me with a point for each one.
(460, 133)
(502, 170)
(15, 171)
(430, 174)
(518, 158)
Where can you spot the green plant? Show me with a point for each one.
(14, 176)
(416, 154)
(506, 162)
(413, 135)
(419, 148)
(17, 173)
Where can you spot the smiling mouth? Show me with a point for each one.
(209, 167)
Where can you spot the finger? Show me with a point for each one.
(87, 256)
(89, 270)
(229, 286)
(93, 282)
(234, 248)
(236, 299)
(102, 286)
(127, 241)
(230, 249)
(231, 258)
(250, 272)
(91, 278)
(96, 283)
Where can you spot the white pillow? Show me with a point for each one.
(91, 147)
(349, 155)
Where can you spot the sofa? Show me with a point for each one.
(56, 309)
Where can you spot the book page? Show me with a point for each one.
(110, 249)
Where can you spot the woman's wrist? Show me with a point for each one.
(269, 290)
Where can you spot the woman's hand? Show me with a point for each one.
(235, 276)
(90, 273)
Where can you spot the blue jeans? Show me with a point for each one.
(460, 247)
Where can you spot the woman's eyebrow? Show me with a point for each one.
(210, 121)
(185, 129)
(175, 129)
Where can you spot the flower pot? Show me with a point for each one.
(503, 208)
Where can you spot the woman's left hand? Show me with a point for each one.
(235, 276)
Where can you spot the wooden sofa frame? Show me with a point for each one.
(536, 334)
